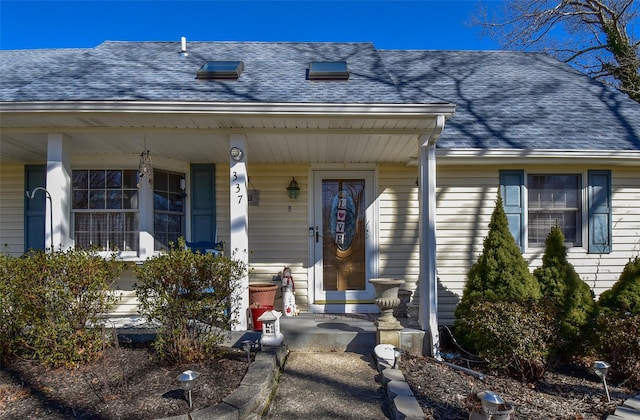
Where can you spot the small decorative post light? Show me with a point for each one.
(293, 189)
(601, 369)
(271, 335)
(246, 346)
(491, 402)
(187, 382)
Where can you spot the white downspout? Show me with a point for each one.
(428, 283)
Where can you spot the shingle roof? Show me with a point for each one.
(516, 100)
(504, 100)
(154, 71)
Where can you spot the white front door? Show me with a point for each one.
(343, 241)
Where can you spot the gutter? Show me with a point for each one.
(235, 108)
(537, 156)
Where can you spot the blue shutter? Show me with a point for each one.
(599, 212)
(35, 208)
(203, 203)
(512, 192)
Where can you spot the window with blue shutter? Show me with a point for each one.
(203, 203)
(34, 209)
(599, 230)
(512, 192)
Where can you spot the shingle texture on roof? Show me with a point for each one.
(521, 100)
(154, 71)
(504, 100)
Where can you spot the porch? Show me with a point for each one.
(355, 333)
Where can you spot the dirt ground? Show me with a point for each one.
(124, 384)
(570, 392)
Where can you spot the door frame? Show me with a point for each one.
(370, 174)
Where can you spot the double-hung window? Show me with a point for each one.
(105, 209)
(536, 202)
(168, 208)
(554, 200)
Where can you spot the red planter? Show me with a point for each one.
(256, 311)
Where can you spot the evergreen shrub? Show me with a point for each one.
(574, 299)
(617, 333)
(499, 274)
(624, 296)
(513, 337)
(618, 343)
(193, 297)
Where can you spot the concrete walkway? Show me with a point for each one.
(339, 385)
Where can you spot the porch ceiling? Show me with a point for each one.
(196, 137)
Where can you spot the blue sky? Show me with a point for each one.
(436, 24)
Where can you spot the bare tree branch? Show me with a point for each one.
(596, 36)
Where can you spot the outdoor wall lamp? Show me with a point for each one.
(187, 382)
(145, 168)
(183, 187)
(601, 369)
(293, 189)
(491, 402)
(236, 153)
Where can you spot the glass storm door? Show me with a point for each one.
(343, 240)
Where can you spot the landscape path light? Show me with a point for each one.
(187, 382)
(601, 369)
(246, 346)
(491, 402)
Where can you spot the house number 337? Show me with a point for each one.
(236, 186)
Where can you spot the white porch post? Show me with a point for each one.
(239, 219)
(428, 282)
(59, 187)
(145, 213)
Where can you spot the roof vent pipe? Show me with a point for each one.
(183, 48)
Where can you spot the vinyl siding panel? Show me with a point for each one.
(12, 209)
(466, 199)
(127, 305)
(398, 222)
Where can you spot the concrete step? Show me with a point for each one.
(354, 333)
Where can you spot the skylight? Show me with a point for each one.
(220, 70)
(328, 70)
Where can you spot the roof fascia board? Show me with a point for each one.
(237, 108)
(218, 131)
(537, 156)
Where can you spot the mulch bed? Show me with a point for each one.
(567, 392)
(124, 383)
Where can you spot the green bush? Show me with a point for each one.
(500, 274)
(624, 296)
(57, 300)
(618, 343)
(193, 296)
(514, 338)
(11, 319)
(574, 299)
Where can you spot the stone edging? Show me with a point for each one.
(252, 396)
(401, 399)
